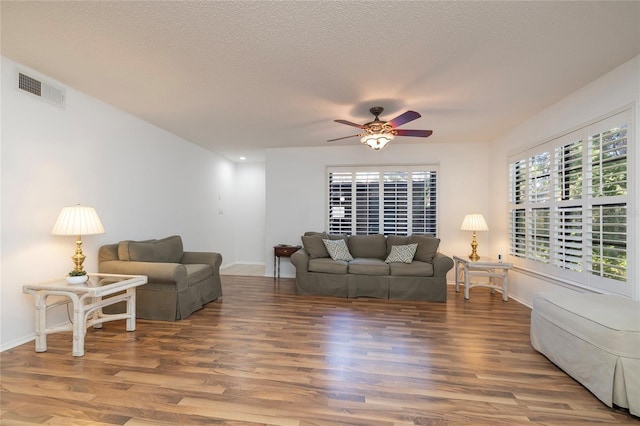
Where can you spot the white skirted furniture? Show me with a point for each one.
(595, 338)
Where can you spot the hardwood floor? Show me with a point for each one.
(244, 269)
(263, 355)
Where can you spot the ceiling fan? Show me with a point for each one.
(378, 133)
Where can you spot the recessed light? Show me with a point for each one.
(243, 158)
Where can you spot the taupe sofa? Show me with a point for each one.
(179, 282)
(368, 275)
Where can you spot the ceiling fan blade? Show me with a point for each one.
(404, 118)
(349, 123)
(345, 137)
(417, 133)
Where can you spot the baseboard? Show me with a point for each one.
(28, 338)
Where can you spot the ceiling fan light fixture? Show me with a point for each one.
(378, 133)
(377, 141)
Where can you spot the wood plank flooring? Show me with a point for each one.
(247, 269)
(264, 355)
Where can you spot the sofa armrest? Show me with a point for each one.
(300, 259)
(441, 264)
(155, 271)
(202, 257)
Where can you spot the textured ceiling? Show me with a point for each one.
(241, 76)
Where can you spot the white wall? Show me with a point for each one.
(297, 200)
(143, 181)
(616, 89)
(249, 213)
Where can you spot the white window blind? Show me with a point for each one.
(367, 208)
(568, 182)
(538, 246)
(568, 236)
(396, 203)
(607, 242)
(568, 205)
(398, 200)
(539, 177)
(423, 202)
(517, 233)
(340, 200)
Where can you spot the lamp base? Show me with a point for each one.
(474, 249)
(78, 257)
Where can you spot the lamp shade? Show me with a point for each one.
(78, 220)
(474, 222)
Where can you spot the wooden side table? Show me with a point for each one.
(484, 267)
(282, 250)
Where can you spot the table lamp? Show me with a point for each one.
(78, 220)
(474, 222)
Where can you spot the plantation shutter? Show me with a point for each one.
(568, 205)
(367, 202)
(607, 191)
(397, 200)
(340, 202)
(568, 236)
(567, 217)
(517, 233)
(396, 203)
(539, 232)
(423, 203)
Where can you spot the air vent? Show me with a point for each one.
(40, 89)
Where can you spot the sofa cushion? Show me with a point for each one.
(338, 249)
(166, 250)
(396, 240)
(413, 269)
(314, 246)
(371, 246)
(403, 254)
(312, 233)
(123, 248)
(328, 266)
(368, 266)
(427, 247)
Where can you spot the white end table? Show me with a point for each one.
(87, 302)
(484, 267)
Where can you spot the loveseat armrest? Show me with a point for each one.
(155, 271)
(300, 259)
(441, 264)
(202, 257)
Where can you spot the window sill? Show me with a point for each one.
(562, 282)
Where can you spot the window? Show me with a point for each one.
(382, 200)
(568, 201)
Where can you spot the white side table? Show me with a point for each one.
(484, 267)
(87, 302)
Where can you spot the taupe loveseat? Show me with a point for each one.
(370, 274)
(179, 282)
